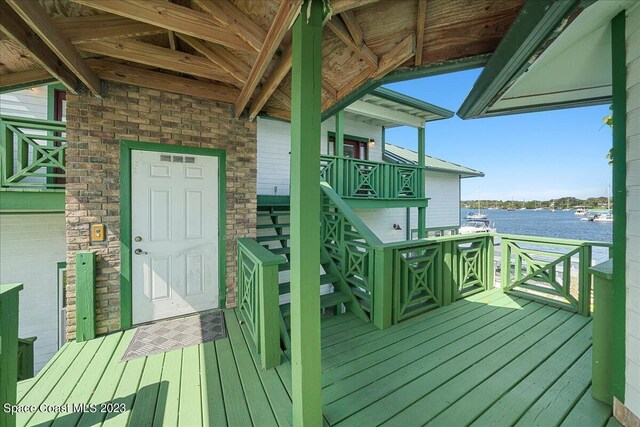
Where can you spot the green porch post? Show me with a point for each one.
(422, 211)
(339, 151)
(619, 107)
(8, 350)
(305, 205)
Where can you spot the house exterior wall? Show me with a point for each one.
(30, 248)
(632, 390)
(94, 129)
(29, 103)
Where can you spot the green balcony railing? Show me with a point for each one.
(32, 154)
(364, 179)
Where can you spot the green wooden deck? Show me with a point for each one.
(490, 359)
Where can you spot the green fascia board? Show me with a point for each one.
(536, 23)
(31, 201)
(404, 74)
(400, 98)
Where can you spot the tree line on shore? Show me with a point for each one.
(561, 203)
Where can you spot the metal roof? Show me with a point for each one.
(385, 107)
(396, 154)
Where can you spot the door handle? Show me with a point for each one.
(140, 252)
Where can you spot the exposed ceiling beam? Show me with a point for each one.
(155, 56)
(328, 87)
(383, 113)
(339, 6)
(339, 28)
(24, 78)
(154, 80)
(422, 18)
(282, 97)
(396, 56)
(97, 27)
(229, 16)
(350, 21)
(281, 69)
(284, 18)
(236, 68)
(36, 17)
(12, 25)
(169, 16)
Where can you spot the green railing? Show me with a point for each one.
(8, 351)
(25, 358)
(258, 298)
(32, 153)
(364, 179)
(552, 270)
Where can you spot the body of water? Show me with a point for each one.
(559, 224)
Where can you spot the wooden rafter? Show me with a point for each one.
(281, 69)
(99, 27)
(328, 87)
(284, 18)
(339, 28)
(155, 56)
(232, 18)
(172, 40)
(421, 21)
(350, 21)
(172, 17)
(394, 58)
(339, 6)
(13, 26)
(24, 78)
(151, 79)
(282, 97)
(237, 69)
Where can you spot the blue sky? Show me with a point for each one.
(525, 156)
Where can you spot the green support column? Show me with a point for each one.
(422, 211)
(339, 150)
(8, 350)
(619, 107)
(306, 83)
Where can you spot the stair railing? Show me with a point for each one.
(258, 298)
(25, 358)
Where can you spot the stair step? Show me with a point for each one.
(328, 300)
(273, 238)
(267, 226)
(325, 279)
(274, 213)
(284, 267)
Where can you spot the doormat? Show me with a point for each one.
(172, 334)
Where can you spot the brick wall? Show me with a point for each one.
(94, 129)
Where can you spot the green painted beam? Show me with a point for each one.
(306, 84)
(9, 300)
(619, 92)
(15, 201)
(361, 203)
(85, 296)
(422, 211)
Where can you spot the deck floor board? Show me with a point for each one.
(490, 359)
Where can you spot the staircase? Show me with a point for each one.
(273, 233)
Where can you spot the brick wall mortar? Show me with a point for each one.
(94, 130)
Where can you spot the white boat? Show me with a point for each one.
(603, 217)
(476, 215)
(580, 210)
(477, 226)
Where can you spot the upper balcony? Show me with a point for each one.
(32, 164)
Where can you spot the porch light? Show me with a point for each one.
(397, 227)
(372, 143)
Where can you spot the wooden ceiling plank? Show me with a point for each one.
(350, 21)
(340, 6)
(237, 69)
(282, 97)
(328, 87)
(154, 80)
(98, 27)
(229, 16)
(36, 17)
(339, 28)
(23, 78)
(13, 26)
(421, 22)
(156, 56)
(281, 69)
(283, 20)
(169, 16)
(394, 58)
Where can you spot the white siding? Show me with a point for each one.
(381, 222)
(632, 392)
(30, 248)
(30, 103)
(274, 145)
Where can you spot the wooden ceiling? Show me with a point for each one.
(236, 51)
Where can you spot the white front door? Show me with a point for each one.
(174, 234)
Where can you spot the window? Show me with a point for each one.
(352, 148)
